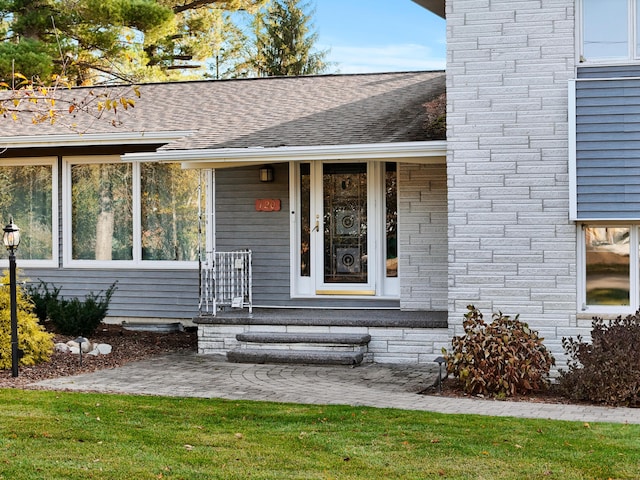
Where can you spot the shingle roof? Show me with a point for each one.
(275, 111)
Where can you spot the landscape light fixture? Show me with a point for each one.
(11, 239)
(80, 340)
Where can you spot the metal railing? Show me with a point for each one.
(225, 281)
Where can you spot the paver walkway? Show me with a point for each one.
(386, 386)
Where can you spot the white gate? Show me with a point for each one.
(225, 281)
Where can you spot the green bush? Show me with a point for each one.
(503, 358)
(607, 370)
(71, 316)
(34, 342)
(41, 296)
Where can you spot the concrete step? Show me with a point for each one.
(330, 317)
(311, 338)
(294, 357)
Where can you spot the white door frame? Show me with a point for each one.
(313, 285)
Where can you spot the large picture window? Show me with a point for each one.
(608, 30)
(169, 212)
(28, 195)
(101, 202)
(132, 213)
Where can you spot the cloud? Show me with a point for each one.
(388, 58)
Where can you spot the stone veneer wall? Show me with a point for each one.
(422, 227)
(511, 244)
(393, 345)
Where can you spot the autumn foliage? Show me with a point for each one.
(34, 342)
(55, 101)
(503, 358)
(606, 369)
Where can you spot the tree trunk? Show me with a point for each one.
(105, 223)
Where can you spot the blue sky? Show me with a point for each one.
(379, 35)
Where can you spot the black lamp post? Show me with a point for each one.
(11, 239)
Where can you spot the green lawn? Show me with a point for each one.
(53, 435)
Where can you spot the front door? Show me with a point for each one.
(343, 241)
(344, 229)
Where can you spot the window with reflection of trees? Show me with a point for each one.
(104, 206)
(169, 206)
(26, 195)
(607, 265)
(102, 211)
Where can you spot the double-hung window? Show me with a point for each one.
(609, 30)
(130, 214)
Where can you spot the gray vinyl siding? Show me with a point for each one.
(143, 293)
(267, 235)
(239, 226)
(171, 294)
(608, 143)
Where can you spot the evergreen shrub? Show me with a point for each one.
(71, 316)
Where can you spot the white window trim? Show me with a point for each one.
(55, 225)
(137, 262)
(634, 271)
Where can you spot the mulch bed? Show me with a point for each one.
(127, 346)
(451, 388)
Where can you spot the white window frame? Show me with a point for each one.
(633, 53)
(634, 270)
(136, 262)
(55, 249)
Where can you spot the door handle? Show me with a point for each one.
(317, 227)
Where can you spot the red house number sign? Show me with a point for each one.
(267, 205)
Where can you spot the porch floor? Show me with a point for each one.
(328, 317)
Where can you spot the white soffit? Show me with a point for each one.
(409, 152)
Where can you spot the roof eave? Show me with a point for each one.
(79, 139)
(418, 152)
(435, 6)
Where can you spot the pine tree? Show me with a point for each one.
(93, 41)
(284, 42)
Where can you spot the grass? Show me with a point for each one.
(54, 435)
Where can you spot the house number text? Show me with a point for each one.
(267, 205)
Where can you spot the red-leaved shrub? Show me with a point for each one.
(607, 370)
(503, 358)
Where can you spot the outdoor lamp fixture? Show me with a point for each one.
(11, 239)
(439, 361)
(266, 173)
(80, 340)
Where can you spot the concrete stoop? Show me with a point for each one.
(300, 348)
(324, 336)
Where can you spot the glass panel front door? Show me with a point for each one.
(345, 229)
(345, 223)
